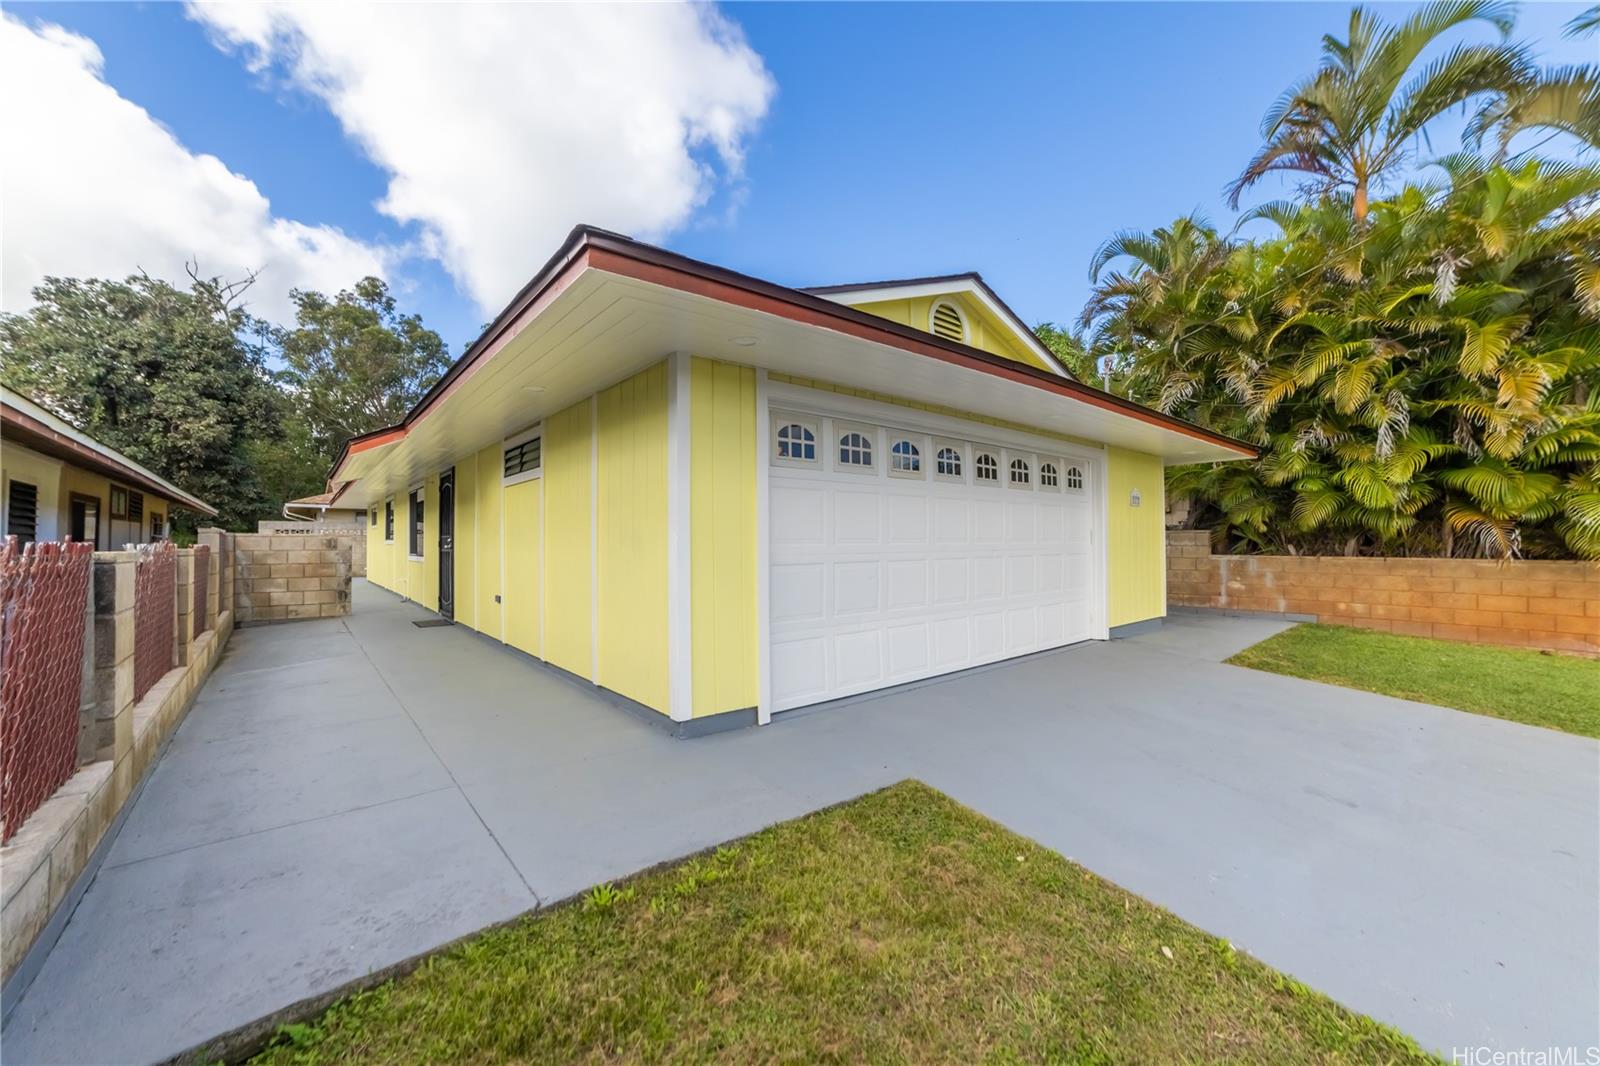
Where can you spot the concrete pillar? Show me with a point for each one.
(112, 735)
(211, 537)
(184, 601)
(86, 687)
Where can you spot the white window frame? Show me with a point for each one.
(1056, 466)
(388, 520)
(536, 430)
(1083, 477)
(963, 457)
(813, 425)
(999, 457)
(420, 491)
(1029, 468)
(961, 316)
(918, 442)
(836, 434)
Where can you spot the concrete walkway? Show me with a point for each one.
(348, 793)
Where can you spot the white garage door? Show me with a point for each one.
(898, 555)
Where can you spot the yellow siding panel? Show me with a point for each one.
(568, 611)
(722, 521)
(487, 523)
(423, 574)
(1136, 549)
(466, 607)
(632, 538)
(522, 594)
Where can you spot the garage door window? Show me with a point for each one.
(947, 464)
(796, 443)
(855, 451)
(1074, 478)
(986, 469)
(1048, 477)
(905, 459)
(1021, 474)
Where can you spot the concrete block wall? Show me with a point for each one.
(281, 577)
(118, 741)
(354, 535)
(1525, 603)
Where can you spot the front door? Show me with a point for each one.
(447, 544)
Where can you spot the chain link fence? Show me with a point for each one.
(202, 585)
(155, 590)
(43, 612)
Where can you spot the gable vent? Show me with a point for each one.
(947, 323)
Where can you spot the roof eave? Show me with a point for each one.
(588, 247)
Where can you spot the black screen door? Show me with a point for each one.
(447, 544)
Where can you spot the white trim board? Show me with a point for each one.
(764, 548)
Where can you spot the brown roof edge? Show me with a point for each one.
(584, 238)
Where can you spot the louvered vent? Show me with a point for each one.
(947, 323)
(22, 512)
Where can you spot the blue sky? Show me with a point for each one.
(901, 139)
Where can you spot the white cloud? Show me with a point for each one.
(503, 125)
(94, 186)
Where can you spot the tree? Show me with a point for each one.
(172, 379)
(354, 363)
(1428, 383)
(1068, 350)
(1353, 123)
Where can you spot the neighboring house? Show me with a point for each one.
(721, 498)
(60, 482)
(323, 511)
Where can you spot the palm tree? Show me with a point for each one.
(1353, 123)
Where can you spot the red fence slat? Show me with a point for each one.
(42, 617)
(155, 589)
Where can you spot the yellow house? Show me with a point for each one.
(57, 481)
(723, 498)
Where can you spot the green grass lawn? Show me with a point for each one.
(1556, 691)
(901, 927)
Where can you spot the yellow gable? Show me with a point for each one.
(960, 308)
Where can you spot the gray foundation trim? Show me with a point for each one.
(1224, 612)
(694, 727)
(1133, 629)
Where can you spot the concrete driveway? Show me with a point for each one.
(348, 793)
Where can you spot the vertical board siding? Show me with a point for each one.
(524, 553)
(466, 548)
(631, 511)
(722, 521)
(487, 523)
(568, 638)
(422, 575)
(1136, 547)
